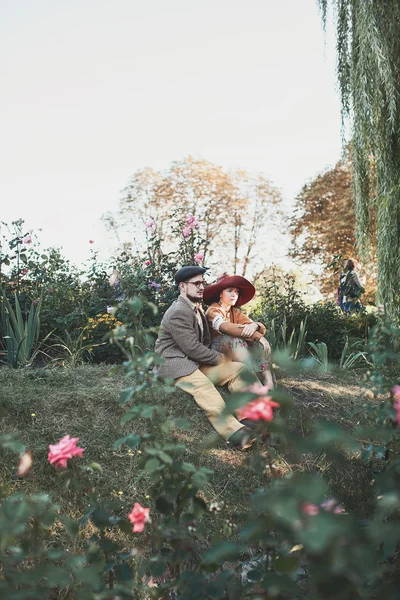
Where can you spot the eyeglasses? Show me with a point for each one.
(198, 284)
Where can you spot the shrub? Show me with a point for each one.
(325, 321)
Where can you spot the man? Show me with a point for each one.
(184, 341)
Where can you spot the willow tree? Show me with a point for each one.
(368, 68)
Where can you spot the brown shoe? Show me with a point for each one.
(249, 423)
(242, 439)
(264, 438)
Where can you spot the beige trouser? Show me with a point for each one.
(209, 399)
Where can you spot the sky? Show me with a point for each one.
(93, 90)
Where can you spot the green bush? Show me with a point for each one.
(325, 321)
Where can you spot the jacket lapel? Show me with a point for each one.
(204, 337)
(185, 306)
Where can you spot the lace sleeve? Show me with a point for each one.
(217, 322)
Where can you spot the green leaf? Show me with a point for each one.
(90, 510)
(94, 466)
(200, 479)
(152, 465)
(157, 568)
(287, 564)
(199, 507)
(108, 545)
(109, 566)
(273, 581)
(125, 526)
(100, 517)
(221, 553)
(70, 525)
(178, 423)
(165, 457)
(58, 576)
(132, 440)
(89, 575)
(123, 573)
(9, 441)
(165, 507)
(188, 467)
(55, 554)
(136, 305)
(125, 395)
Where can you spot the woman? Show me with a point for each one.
(232, 331)
(350, 288)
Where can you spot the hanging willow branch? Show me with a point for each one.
(368, 70)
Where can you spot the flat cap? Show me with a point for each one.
(188, 272)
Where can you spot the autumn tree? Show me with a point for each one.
(323, 227)
(236, 211)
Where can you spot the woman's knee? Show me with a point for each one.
(243, 370)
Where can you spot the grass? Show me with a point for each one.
(42, 405)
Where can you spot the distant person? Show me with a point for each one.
(184, 343)
(232, 331)
(350, 288)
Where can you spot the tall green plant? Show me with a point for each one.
(294, 344)
(349, 359)
(320, 354)
(21, 335)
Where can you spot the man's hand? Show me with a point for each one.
(249, 330)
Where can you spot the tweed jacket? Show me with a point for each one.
(181, 342)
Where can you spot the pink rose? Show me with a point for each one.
(396, 405)
(191, 222)
(150, 224)
(91, 241)
(199, 257)
(186, 231)
(328, 505)
(24, 271)
(27, 239)
(36, 302)
(310, 509)
(147, 263)
(139, 516)
(258, 409)
(65, 449)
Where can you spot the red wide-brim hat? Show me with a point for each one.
(246, 289)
